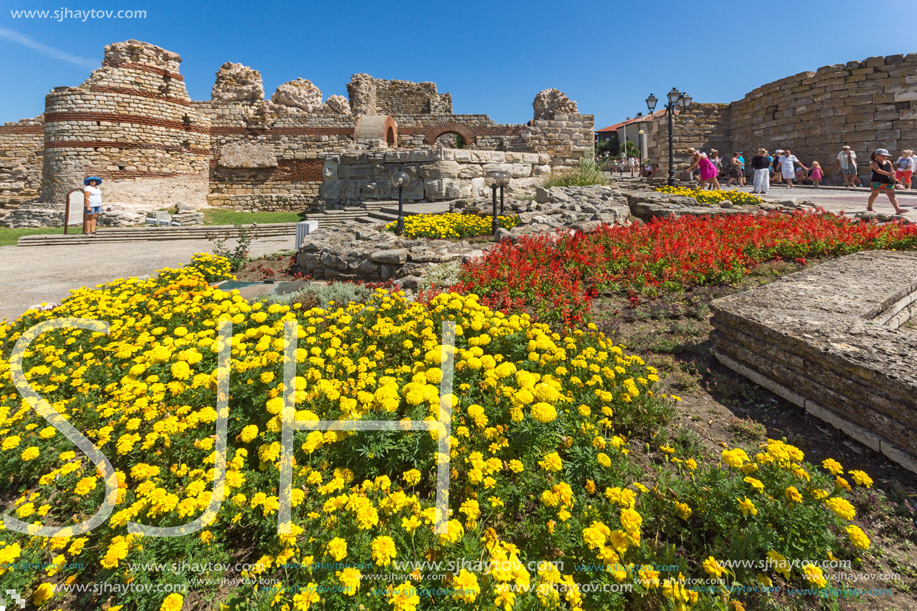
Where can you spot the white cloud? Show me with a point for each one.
(25, 41)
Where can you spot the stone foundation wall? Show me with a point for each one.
(830, 340)
(21, 148)
(437, 174)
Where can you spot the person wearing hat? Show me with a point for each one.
(92, 198)
(847, 165)
(883, 179)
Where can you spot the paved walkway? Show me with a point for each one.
(32, 275)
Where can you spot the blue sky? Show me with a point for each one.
(493, 56)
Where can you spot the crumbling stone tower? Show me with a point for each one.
(131, 123)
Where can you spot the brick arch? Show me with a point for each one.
(435, 131)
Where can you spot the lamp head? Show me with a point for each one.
(651, 102)
(400, 179)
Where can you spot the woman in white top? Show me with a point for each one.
(92, 198)
(787, 169)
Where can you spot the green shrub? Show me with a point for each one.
(586, 172)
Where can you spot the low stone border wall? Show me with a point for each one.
(829, 339)
(437, 174)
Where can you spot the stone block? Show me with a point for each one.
(395, 256)
(440, 169)
(376, 189)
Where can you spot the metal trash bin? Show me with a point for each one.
(304, 228)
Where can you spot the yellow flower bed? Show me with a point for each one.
(739, 198)
(451, 225)
(546, 508)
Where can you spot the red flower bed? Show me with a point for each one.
(555, 277)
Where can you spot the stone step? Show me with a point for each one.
(383, 216)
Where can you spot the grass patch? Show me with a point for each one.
(9, 237)
(234, 217)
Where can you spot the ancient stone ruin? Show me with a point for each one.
(834, 340)
(133, 124)
(868, 104)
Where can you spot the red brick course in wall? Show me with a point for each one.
(22, 129)
(282, 131)
(145, 68)
(59, 117)
(287, 170)
(137, 92)
(122, 174)
(299, 170)
(82, 144)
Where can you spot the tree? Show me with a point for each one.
(631, 150)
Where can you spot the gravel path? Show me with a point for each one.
(32, 275)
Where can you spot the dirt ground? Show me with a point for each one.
(723, 408)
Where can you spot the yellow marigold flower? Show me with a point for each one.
(792, 494)
(248, 433)
(544, 412)
(735, 458)
(350, 581)
(691, 464)
(683, 511)
(857, 536)
(779, 563)
(833, 466)
(466, 587)
(814, 575)
(516, 466)
(755, 483)
(172, 602)
(42, 594)
(631, 521)
(604, 459)
(667, 449)
(861, 479)
(337, 548)
(29, 453)
(10, 442)
(551, 462)
(747, 506)
(383, 550)
(403, 597)
(85, 486)
(713, 567)
(412, 477)
(841, 507)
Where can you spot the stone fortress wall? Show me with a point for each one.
(868, 104)
(133, 124)
(21, 148)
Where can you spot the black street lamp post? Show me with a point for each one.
(502, 181)
(674, 98)
(493, 179)
(400, 180)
